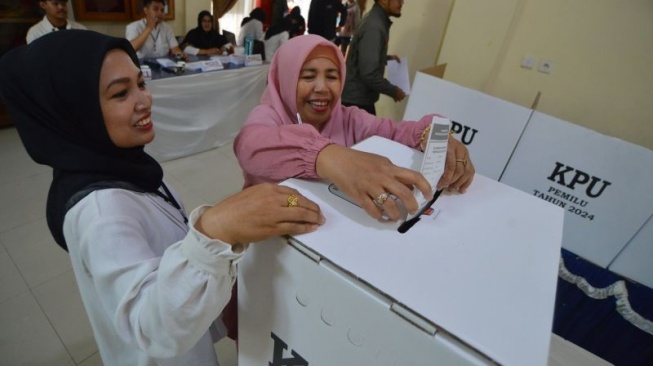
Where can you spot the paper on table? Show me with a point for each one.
(166, 62)
(398, 74)
(192, 50)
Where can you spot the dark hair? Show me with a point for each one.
(147, 3)
(258, 14)
(283, 26)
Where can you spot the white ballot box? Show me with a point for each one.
(473, 286)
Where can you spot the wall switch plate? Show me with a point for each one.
(546, 66)
(528, 62)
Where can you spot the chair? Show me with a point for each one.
(259, 48)
(230, 37)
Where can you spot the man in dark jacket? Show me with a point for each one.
(322, 17)
(367, 57)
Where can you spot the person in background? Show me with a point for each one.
(300, 130)
(279, 11)
(152, 36)
(203, 39)
(322, 16)
(55, 18)
(153, 281)
(297, 22)
(275, 36)
(253, 24)
(353, 20)
(367, 57)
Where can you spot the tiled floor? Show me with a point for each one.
(42, 319)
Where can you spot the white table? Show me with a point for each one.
(198, 112)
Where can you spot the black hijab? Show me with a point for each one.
(198, 38)
(297, 22)
(51, 88)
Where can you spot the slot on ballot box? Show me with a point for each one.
(474, 287)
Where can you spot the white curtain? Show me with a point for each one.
(231, 20)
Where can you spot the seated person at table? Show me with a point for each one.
(253, 25)
(301, 130)
(204, 39)
(153, 280)
(275, 36)
(152, 36)
(55, 18)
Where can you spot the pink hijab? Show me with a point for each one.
(281, 92)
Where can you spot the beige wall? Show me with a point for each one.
(601, 51)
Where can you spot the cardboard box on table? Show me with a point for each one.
(474, 286)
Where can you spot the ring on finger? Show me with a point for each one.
(292, 201)
(464, 161)
(381, 199)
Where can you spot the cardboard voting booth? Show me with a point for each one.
(490, 127)
(634, 261)
(602, 183)
(474, 285)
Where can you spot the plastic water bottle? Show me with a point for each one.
(249, 44)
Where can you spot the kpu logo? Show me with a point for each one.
(559, 175)
(466, 137)
(277, 354)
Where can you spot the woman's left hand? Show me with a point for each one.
(459, 170)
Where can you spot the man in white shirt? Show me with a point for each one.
(151, 36)
(56, 18)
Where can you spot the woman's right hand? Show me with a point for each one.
(364, 177)
(260, 212)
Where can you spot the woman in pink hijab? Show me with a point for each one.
(301, 130)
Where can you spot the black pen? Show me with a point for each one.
(409, 223)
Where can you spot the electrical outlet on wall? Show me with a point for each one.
(528, 62)
(546, 66)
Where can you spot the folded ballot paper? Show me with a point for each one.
(432, 168)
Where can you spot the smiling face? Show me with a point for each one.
(125, 101)
(318, 87)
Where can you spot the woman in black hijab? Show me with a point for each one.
(152, 285)
(203, 39)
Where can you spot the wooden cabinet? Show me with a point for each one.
(115, 10)
(16, 17)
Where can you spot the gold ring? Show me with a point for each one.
(381, 198)
(464, 161)
(292, 201)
